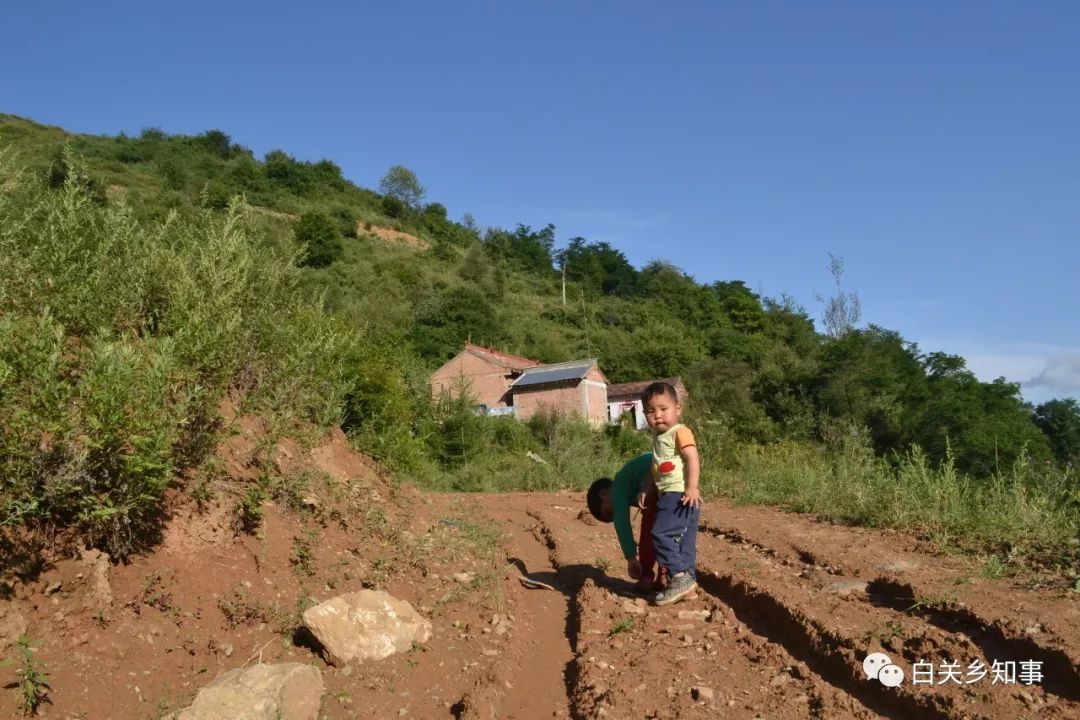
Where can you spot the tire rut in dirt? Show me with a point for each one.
(835, 630)
(962, 633)
(632, 673)
(826, 654)
(1060, 676)
(572, 581)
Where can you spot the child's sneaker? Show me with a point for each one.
(679, 587)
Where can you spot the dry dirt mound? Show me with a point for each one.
(396, 237)
(787, 610)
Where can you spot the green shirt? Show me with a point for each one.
(625, 487)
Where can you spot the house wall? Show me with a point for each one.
(595, 399)
(486, 381)
(564, 399)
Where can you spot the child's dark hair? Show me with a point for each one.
(659, 388)
(596, 503)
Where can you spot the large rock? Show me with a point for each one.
(365, 625)
(289, 691)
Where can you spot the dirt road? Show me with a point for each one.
(787, 612)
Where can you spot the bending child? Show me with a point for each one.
(675, 474)
(610, 501)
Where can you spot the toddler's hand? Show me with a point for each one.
(641, 500)
(691, 498)
(633, 568)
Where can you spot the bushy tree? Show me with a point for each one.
(1060, 422)
(320, 238)
(216, 143)
(872, 378)
(393, 207)
(984, 425)
(524, 249)
(401, 183)
(282, 170)
(450, 318)
(598, 267)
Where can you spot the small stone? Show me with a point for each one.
(463, 577)
(693, 614)
(779, 680)
(347, 670)
(702, 693)
(54, 586)
(848, 588)
(228, 649)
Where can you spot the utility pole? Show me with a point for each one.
(563, 283)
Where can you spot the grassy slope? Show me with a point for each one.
(381, 287)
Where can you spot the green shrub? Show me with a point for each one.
(118, 340)
(394, 208)
(320, 238)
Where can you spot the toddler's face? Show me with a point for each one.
(662, 412)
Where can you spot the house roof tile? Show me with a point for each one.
(634, 388)
(507, 360)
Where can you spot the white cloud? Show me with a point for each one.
(1061, 373)
(1044, 371)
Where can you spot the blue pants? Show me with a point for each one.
(675, 534)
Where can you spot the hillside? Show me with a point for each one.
(400, 287)
(217, 440)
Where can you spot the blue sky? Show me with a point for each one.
(935, 147)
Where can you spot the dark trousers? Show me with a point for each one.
(675, 534)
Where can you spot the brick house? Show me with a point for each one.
(626, 398)
(488, 375)
(502, 383)
(577, 387)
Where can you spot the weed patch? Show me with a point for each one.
(33, 681)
